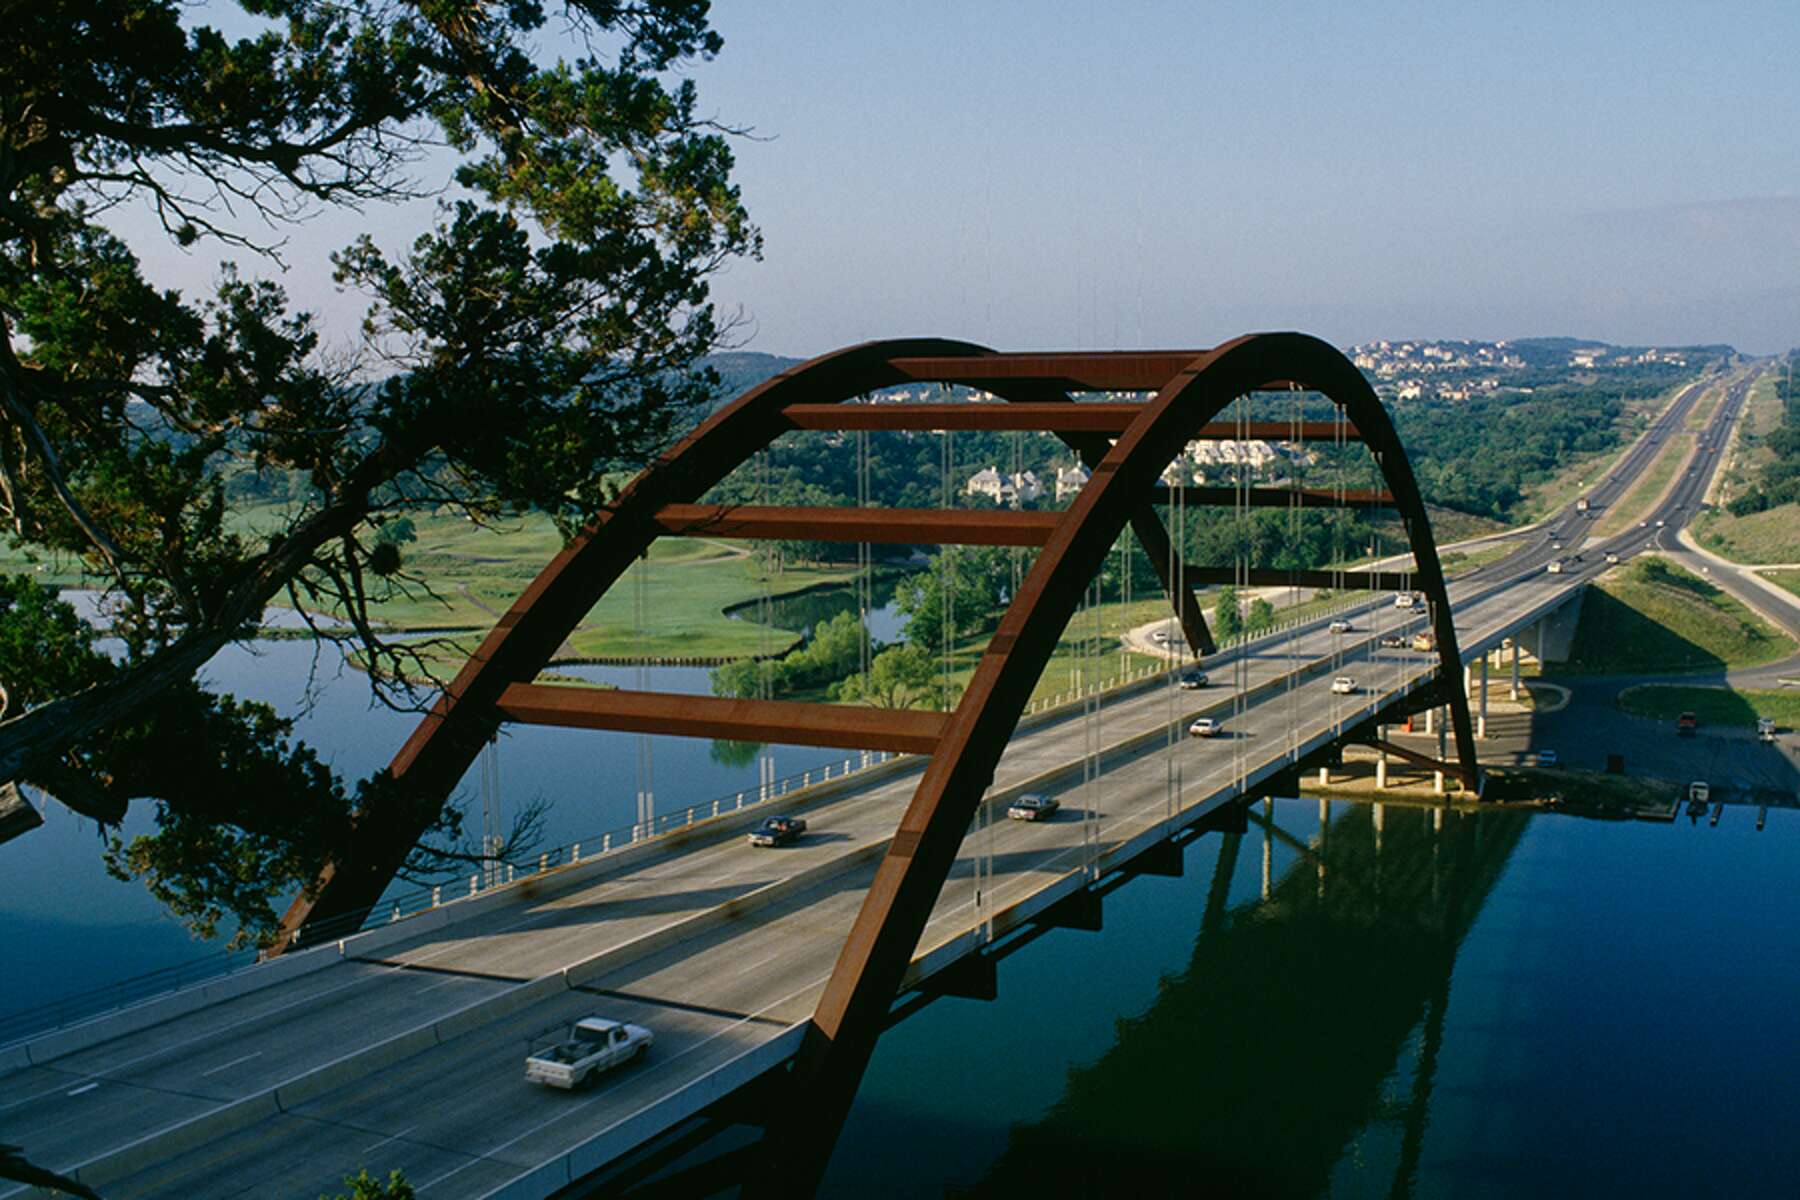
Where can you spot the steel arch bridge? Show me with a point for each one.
(1126, 446)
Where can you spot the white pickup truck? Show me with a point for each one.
(595, 1046)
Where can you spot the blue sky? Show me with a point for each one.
(1055, 175)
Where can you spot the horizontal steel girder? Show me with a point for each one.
(1230, 497)
(1048, 417)
(1079, 371)
(850, 727)
(897, 526)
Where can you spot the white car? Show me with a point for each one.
(1340, 626)
(1403, 600)
(595, 1045)
(1612, 560)
(1206, 727)
(1343, 685)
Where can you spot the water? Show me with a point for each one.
(1514, 1006)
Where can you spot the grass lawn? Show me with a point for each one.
(1703, 407)
(1784, 579)
(1643, 494)
(1651, 616)
(1713, 705)
(1765, 537)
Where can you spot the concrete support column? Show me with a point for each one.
(1481, 716)
(1381, 771)
(1515, 668)
(1431, 720)
(1324, 775)
(1268, 864)
(1437, 777)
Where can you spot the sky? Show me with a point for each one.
(1061, 175)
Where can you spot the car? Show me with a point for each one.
(1161, 636)
(1700, 791)
(594, 1046)
(1033, 806)
(1556, 545)
(1192, 680)
(1687, 724)
(1555, 566)
(1403, 600)
(1546, 758)
(1643, 524)
(1206, 727)
(778, 831)
(1340, 626)
(1394, 641)
(1661, 523)
(1343, 685)
(1424, 641)
(1612, 560)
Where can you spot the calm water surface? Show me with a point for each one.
(1508, 1006)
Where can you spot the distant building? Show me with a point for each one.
(986, 482)
(1012, 490)
(1070, 480)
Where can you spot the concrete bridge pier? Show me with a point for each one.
(1437, 776)
(1481, 716)
(1514, 642)
(1381, 758)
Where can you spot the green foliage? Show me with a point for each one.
(975, 580)
(212, 765)
(543, 333)
(1479, 455)
(364, 1186)
(1228, 618)
(1262, 615)
(904, 676)
(833, 651)
(1778, 482)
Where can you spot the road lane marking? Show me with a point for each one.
(234, 1062)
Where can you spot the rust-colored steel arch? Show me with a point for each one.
(496, 685)
(869, 970)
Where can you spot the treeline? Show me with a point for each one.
(1778, 480)
(1481, 455)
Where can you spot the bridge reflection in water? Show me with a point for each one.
(1308, 1015)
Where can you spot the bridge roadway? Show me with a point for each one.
(404, 1050)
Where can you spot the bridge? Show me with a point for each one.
(768, 976)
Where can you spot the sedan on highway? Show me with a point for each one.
(778, 831)
(1206, 727)
(1343, 685)
(1193, 680)
(1612, 560)
(1340, 626)
(1394, 641)
(1033, 806)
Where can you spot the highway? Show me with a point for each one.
(405, 1050)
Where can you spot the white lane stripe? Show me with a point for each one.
(234, 1062)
